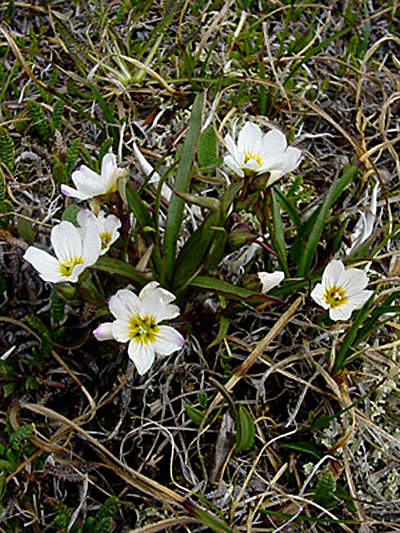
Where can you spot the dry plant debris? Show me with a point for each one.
(220, 155)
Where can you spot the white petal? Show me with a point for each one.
(233, 165)
(230, 144)
(123, 304)
(318, 296)
(353, 280)
(292, 159)
(120, 330)
(270, 280)
(155, 302)
(104, 332)
(273, 145)
(342, 312)
(91, 244)
(249, 139)
(252, 165)
(332, 274)
(108, 165)
(47, 265)
(85, 216)
(168, 341)
(88, 182)
(66, 241)
(142, 355)
(359, 299)
(74, 193)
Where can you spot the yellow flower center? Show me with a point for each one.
(250, 155)
(335, 296)
(143, 329)
(67, 267)
(105, 239)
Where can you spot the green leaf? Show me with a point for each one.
(24, 432)
(245, 430)
(145, 222)
(36, 112)
(278, 234)
(6, 149)
(217, 286)
(70, 214)
(323, 494)
(207, 148)
(351, 334)
(72, 155)
(194, 414)
(305, 446)
(56, 120)
(337, 187)
(120, 268)
(223, 330)
(182, 184)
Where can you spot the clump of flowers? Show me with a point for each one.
(137, 321)
(75, 250)
(341, 290)
(90, 184)
(258, 153)
(107, 226)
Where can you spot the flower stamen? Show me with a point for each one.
(143, 329)
(335, 296)
(67, 267)
(251, 156)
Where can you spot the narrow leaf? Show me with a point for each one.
(182, 183)
(120, 268)
(245, 431)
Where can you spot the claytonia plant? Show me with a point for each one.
(341, 290)
(107, 227)
(258, 153)
(90, 184)
(137, 321)
(75, 249)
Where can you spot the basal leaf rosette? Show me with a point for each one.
(138, 321)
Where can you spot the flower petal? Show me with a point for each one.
(123, 304)
(233, 165)
(66, 241)
(317, 295)
(249, 139)
(270, 280)
(332, 273)
(74, 193)
(91, 244)
(120, 330)
(168, 341)
(104, 332)
(46, 264)
(142, 355)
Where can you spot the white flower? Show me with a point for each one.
(365, 224)
(107, 226)
(137, 322)
(260, 153)
(89, 184)
(341, 291)
(75, 250)
(270, 280)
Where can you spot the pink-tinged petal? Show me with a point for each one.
(74, 193)
(142, 355)
(104, 332)
(124, 304)
(47, 265)
(88, 183)
(318, 296)
(120, 330)
(108, 164)
(232, 164)
(66, 241)
(270, 280)
(91, 244)
(168, 340)
(249, 139)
